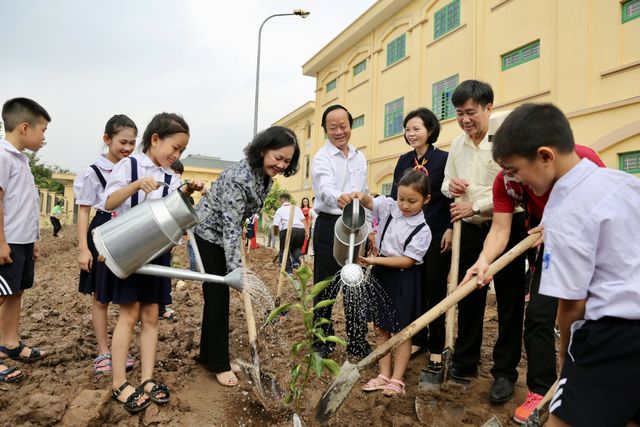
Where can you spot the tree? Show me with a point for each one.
(42, 173)
(272, 202)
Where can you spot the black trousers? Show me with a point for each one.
(509, 287)
(214, 341)
(295, 246)
(435, 270)
(57, 226)
(324, 265)
(539, 337)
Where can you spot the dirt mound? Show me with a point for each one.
(63, 390)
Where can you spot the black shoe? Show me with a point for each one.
(359, 350)
(501, 390)
(435, 367)
(463, 373)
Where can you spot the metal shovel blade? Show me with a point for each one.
(430, 380)
(493, 422)
(337, 392)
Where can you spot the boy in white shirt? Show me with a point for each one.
(299, 231)
(25, 123)
(591, 263)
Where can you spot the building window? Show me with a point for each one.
(308, 130)
(521, 55)
(331, 85)
(446, 19)
(307, 163)
(630, 162)
(630, 10)
(393, 113)
(358, 122)
(396, 49)
(441, 97)
(385, 190)
(360, 67)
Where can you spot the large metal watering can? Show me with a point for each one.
(129, 241)
(350, 236)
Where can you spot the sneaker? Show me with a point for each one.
(526, 409)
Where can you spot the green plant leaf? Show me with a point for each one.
(337, 340)
(324, 303)
(288, 398)
(316, 363)
(321, 321)
(319, 333)
(320, 286)
(295, 349)
(304, 273)
(332, 366)
(277, 311)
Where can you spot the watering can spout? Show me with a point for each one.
(234, 280)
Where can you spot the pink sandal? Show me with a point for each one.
(374, 384)
(393, 388)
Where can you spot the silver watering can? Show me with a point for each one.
(350, 236)
(129, 241)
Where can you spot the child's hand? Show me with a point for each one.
(538, 229)
(148, 184)
(367, 260)
(85, 260)
(36, 251)
(192, 186)
(5, 254)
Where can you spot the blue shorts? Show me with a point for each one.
(18, 275)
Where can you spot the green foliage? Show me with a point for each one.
(271, 202)
(42, 174)
(307, 361)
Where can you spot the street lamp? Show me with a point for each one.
(298, 12)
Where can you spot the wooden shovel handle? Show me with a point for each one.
(246, 301)
(285, 255)
(454, 273)
(462, 291)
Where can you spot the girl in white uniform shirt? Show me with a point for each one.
(120, 137)
(403, 239)
(164, 140)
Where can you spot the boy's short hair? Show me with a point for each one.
(285, 196)
(480, 92)
(21, 110)
(529, 127)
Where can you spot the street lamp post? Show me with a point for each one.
(298, 12)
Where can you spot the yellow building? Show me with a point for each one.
(582, 55)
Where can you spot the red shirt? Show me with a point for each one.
(507, 191)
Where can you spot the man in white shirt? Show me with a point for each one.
(469, 174)
(299, 231)
(591, 262)
(337, 170)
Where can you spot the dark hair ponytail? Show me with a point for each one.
(118, 122)
(164, 125)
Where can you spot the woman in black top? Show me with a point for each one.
(421, 132)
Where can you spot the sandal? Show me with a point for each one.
(374, 384)
(393, 388)
(227, 379)
(14, 353)
(155, 391)
(131, 404)
(168, 314)
(102, 364)
(4, 375)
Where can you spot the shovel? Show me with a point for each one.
(264, 384)
(431, 380)
(340, 387)
(285, 255)
(537, 418)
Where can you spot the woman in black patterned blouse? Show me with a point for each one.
(237, 194)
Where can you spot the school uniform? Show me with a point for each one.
(87, 190)
(137, 288)
(21, 218)
(400, 236)
(592, 253)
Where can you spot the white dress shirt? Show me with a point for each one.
(20, 201)
(121, 177)
(87, 188)
(399, 230)
(281, 217)
(476, 165)
(592, 241)
(333, 175)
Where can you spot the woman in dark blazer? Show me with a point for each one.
(421, 132)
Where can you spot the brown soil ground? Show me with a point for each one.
(63, 390)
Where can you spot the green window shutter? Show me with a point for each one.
(393, 115)
(358, 122)
(630, 10)
(521, 55)
(396, 49)
(331, 85)
(446, 19)
(360, 67)
(441, 97)
(385, 190)
(630, 162)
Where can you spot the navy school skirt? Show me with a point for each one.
(400, 303)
